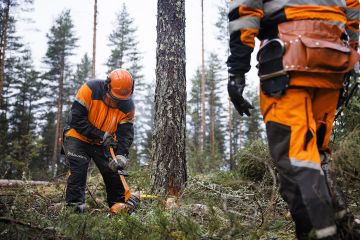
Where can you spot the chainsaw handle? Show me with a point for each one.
(112, 153)
(122, 178)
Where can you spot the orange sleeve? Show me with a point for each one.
(83, 96)
(129, 118)
(353, 20)
(244, 24)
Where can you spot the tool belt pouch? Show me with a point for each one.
(273, 78)
(315, 46)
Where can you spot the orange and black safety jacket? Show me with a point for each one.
(260, 18)
(91, 117)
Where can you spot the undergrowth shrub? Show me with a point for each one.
(253, 161)
(347, 154)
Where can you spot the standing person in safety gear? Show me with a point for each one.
(102, 116)
(307, 47)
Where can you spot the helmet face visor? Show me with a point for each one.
(110, 100)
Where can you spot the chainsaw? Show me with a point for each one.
(132, 200)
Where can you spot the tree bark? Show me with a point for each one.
(168, 147)
(94, 42)
(58, 128)
(3, 45)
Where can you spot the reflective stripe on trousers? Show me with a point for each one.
(293, 124)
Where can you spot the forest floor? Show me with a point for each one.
(214, 206)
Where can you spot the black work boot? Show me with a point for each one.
(337, 195)
(77, 207)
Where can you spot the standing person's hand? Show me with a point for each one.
(236, 87)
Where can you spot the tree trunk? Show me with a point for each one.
(58, 127)
(94, 42)
(231, 144)
(168, 147)
(212, 121)
(3, 45)
(202, 84)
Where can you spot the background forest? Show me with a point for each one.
(231, 191)
(35, 103)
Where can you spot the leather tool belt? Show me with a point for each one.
(303, 46)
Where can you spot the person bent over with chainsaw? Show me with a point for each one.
(102, 118)
(307, 49)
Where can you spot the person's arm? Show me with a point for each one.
(352, 24)
(125, 134)
(79, 115)
(244, 24)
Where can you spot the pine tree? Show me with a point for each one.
(234, 122)
(123, 44)
(125, 54)
(4, 143)
(5, 19)
(41, 166)
(7, 22)
(168, 149)
(22, 135)
(194, 156)
(93, 70)
(145, 121)
(81, 75)
(222, 24)
(211, 158)
(215, 110)
(61, 43)
(202, 84)
(254, 130)
(10, 53)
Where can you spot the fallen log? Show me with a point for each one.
(18, 183)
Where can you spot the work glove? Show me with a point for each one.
(119, 163)
(236, 87)
(108, 141)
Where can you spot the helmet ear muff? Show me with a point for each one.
(133, 86)
(107, 83)
(108, 80)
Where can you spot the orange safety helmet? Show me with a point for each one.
(120, 84)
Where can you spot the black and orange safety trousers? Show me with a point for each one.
(78, 155)
(298, 126)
